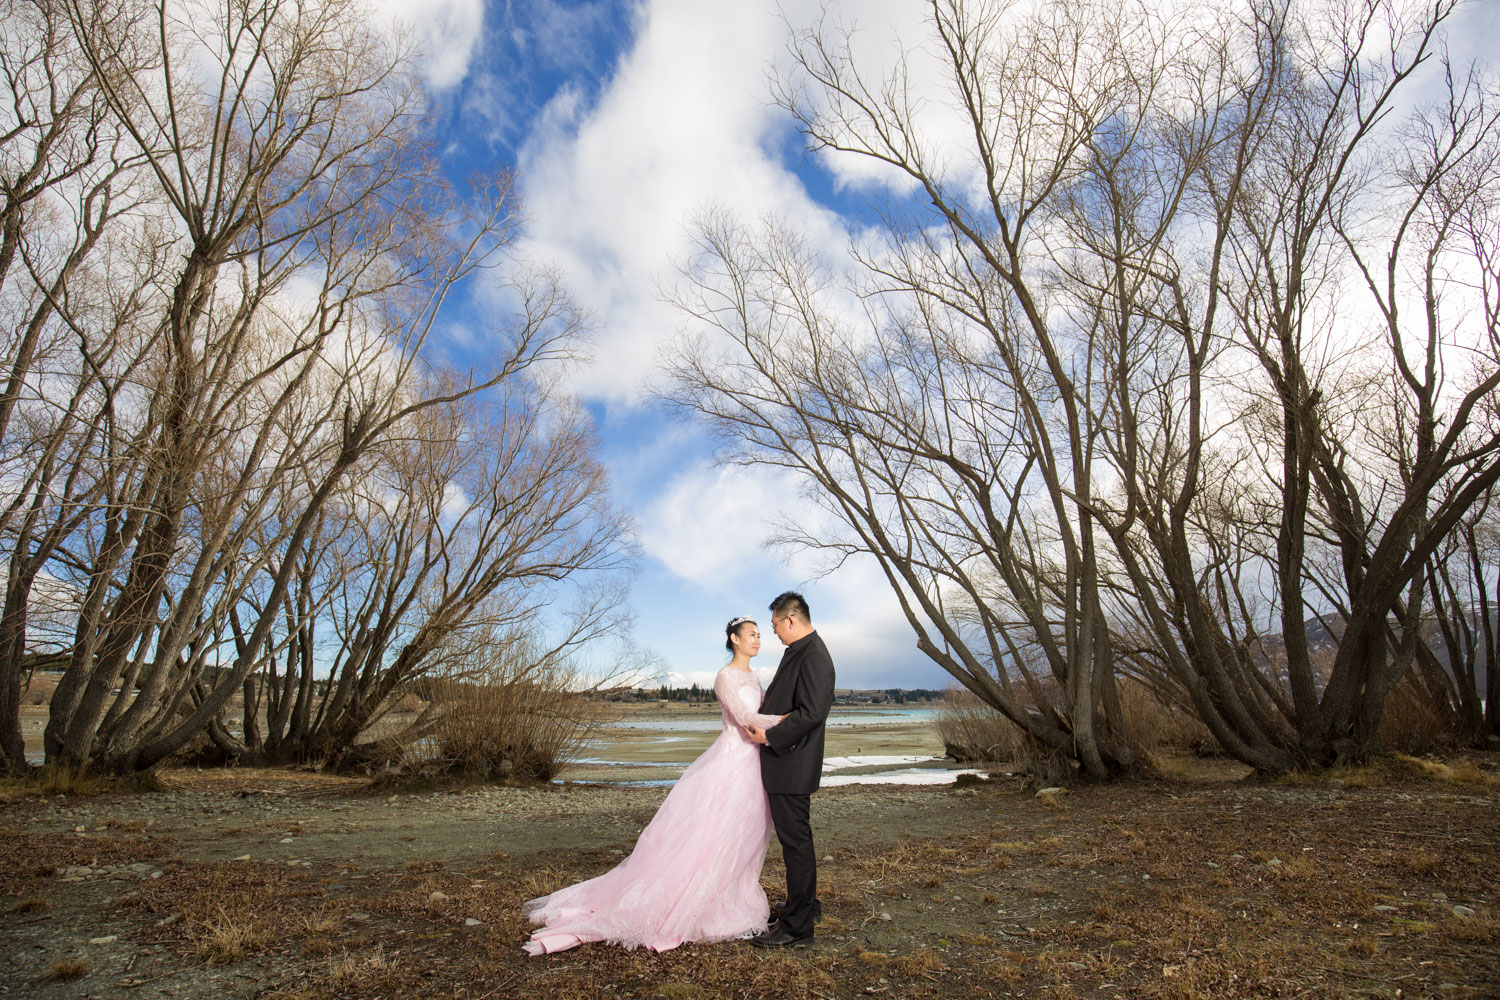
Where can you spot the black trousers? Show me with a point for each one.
(792, 816)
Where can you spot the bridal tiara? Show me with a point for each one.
(742, 619)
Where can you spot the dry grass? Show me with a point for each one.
(56, 779)
(361, 974)
(1482, 928)
(1151, 726)
(502, 730)
(972, 731)
(226, 937)
(1458, 772)
(66, 970)
(1364, 945)
(1383, 770)
(1410, 722)
(320, 924)
(318, 935)
(30, 861)
(1148, 889)
(514, 715)
(35, 904)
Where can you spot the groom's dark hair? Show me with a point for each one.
(791, 603)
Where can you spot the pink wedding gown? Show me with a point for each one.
(694, 874)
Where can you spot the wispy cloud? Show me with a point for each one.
(611, 184)
(533, 54)
(708, 524)
(447, 31)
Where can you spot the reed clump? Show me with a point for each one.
(975, 732)
(518, 716)
(71, 779)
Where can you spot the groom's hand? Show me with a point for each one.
(757, 734)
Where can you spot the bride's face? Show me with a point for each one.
(748, 640)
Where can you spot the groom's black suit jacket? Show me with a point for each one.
(791, 762)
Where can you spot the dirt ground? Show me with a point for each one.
(290, 884)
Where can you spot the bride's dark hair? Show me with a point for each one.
(733, 629)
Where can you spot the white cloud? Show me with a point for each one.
(687, 678)
(885, 38)
(609, 189)
(529, 48)
(708, 525)
(455, 503)
(447, 32)
(686, 123)
(860, 619)
(654, 452)
(610, 185)
(558, 34)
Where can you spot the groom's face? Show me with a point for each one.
(782, 626)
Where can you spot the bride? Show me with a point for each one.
(695, 872)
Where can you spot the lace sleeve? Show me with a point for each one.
(731, 696)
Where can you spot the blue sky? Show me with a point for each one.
(624, 119)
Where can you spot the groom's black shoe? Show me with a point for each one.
(779, 908)
(777, 937)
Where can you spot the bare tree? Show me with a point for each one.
(290, 246)
(1104, 400)
(449, 538)
(1459, 659)
(1393, 203)
(955, 435)
(55, 135)
(67, 178)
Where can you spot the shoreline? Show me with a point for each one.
(644, 752)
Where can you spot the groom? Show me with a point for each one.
(792, 762)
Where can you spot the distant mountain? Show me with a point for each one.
(1325, 636)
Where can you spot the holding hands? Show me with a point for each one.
(756, 733)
